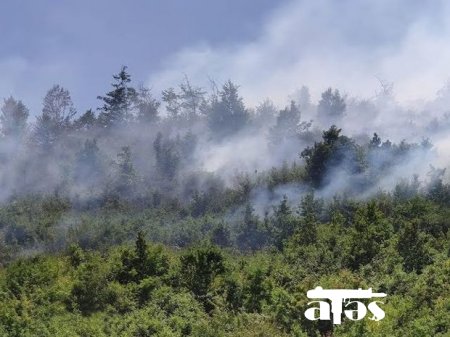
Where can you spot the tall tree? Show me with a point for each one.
(56, 117)
(118, 103)
(13, 118)
(228, 113)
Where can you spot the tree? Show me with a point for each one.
(184, 103)
(309, 212)
(126, 174)
(284, 223)
(331, 106)
(85, 121)
(59, 107)
(89, 292)
(88, 168)
(13, 118)
(199, 267)
(287, 125)
(167, 156)
(142, 262)
(56, 117)
(172, 100)
(191, 98)
(118, 103)
(228, 113)
(369, 232)
(412, 246)
(250, 237)
(335, 151)
(265, 113)
(147, 107)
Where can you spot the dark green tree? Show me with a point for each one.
(119, 102)
(412, 246)
(310, 209)
(283, 224)
(142, 262)
(199, 267)
(251, 236)
(335, 151)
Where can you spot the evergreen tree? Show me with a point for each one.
(228, 113)
(251, 237)
(412, 246)
(13, 118)
(310, 209)
(86, 121)
(284, 223)
(335, 151)
(118, 103)
(199, 267)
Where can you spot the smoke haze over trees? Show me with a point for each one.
(333, 184)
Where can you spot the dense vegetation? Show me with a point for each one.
(114, 223)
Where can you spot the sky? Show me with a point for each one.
(80, 44)
(270, 48)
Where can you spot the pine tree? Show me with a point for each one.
(251, 237)
(118, 103)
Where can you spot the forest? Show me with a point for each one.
(190, 213)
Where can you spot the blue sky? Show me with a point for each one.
(80, 44)
(269, 47)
